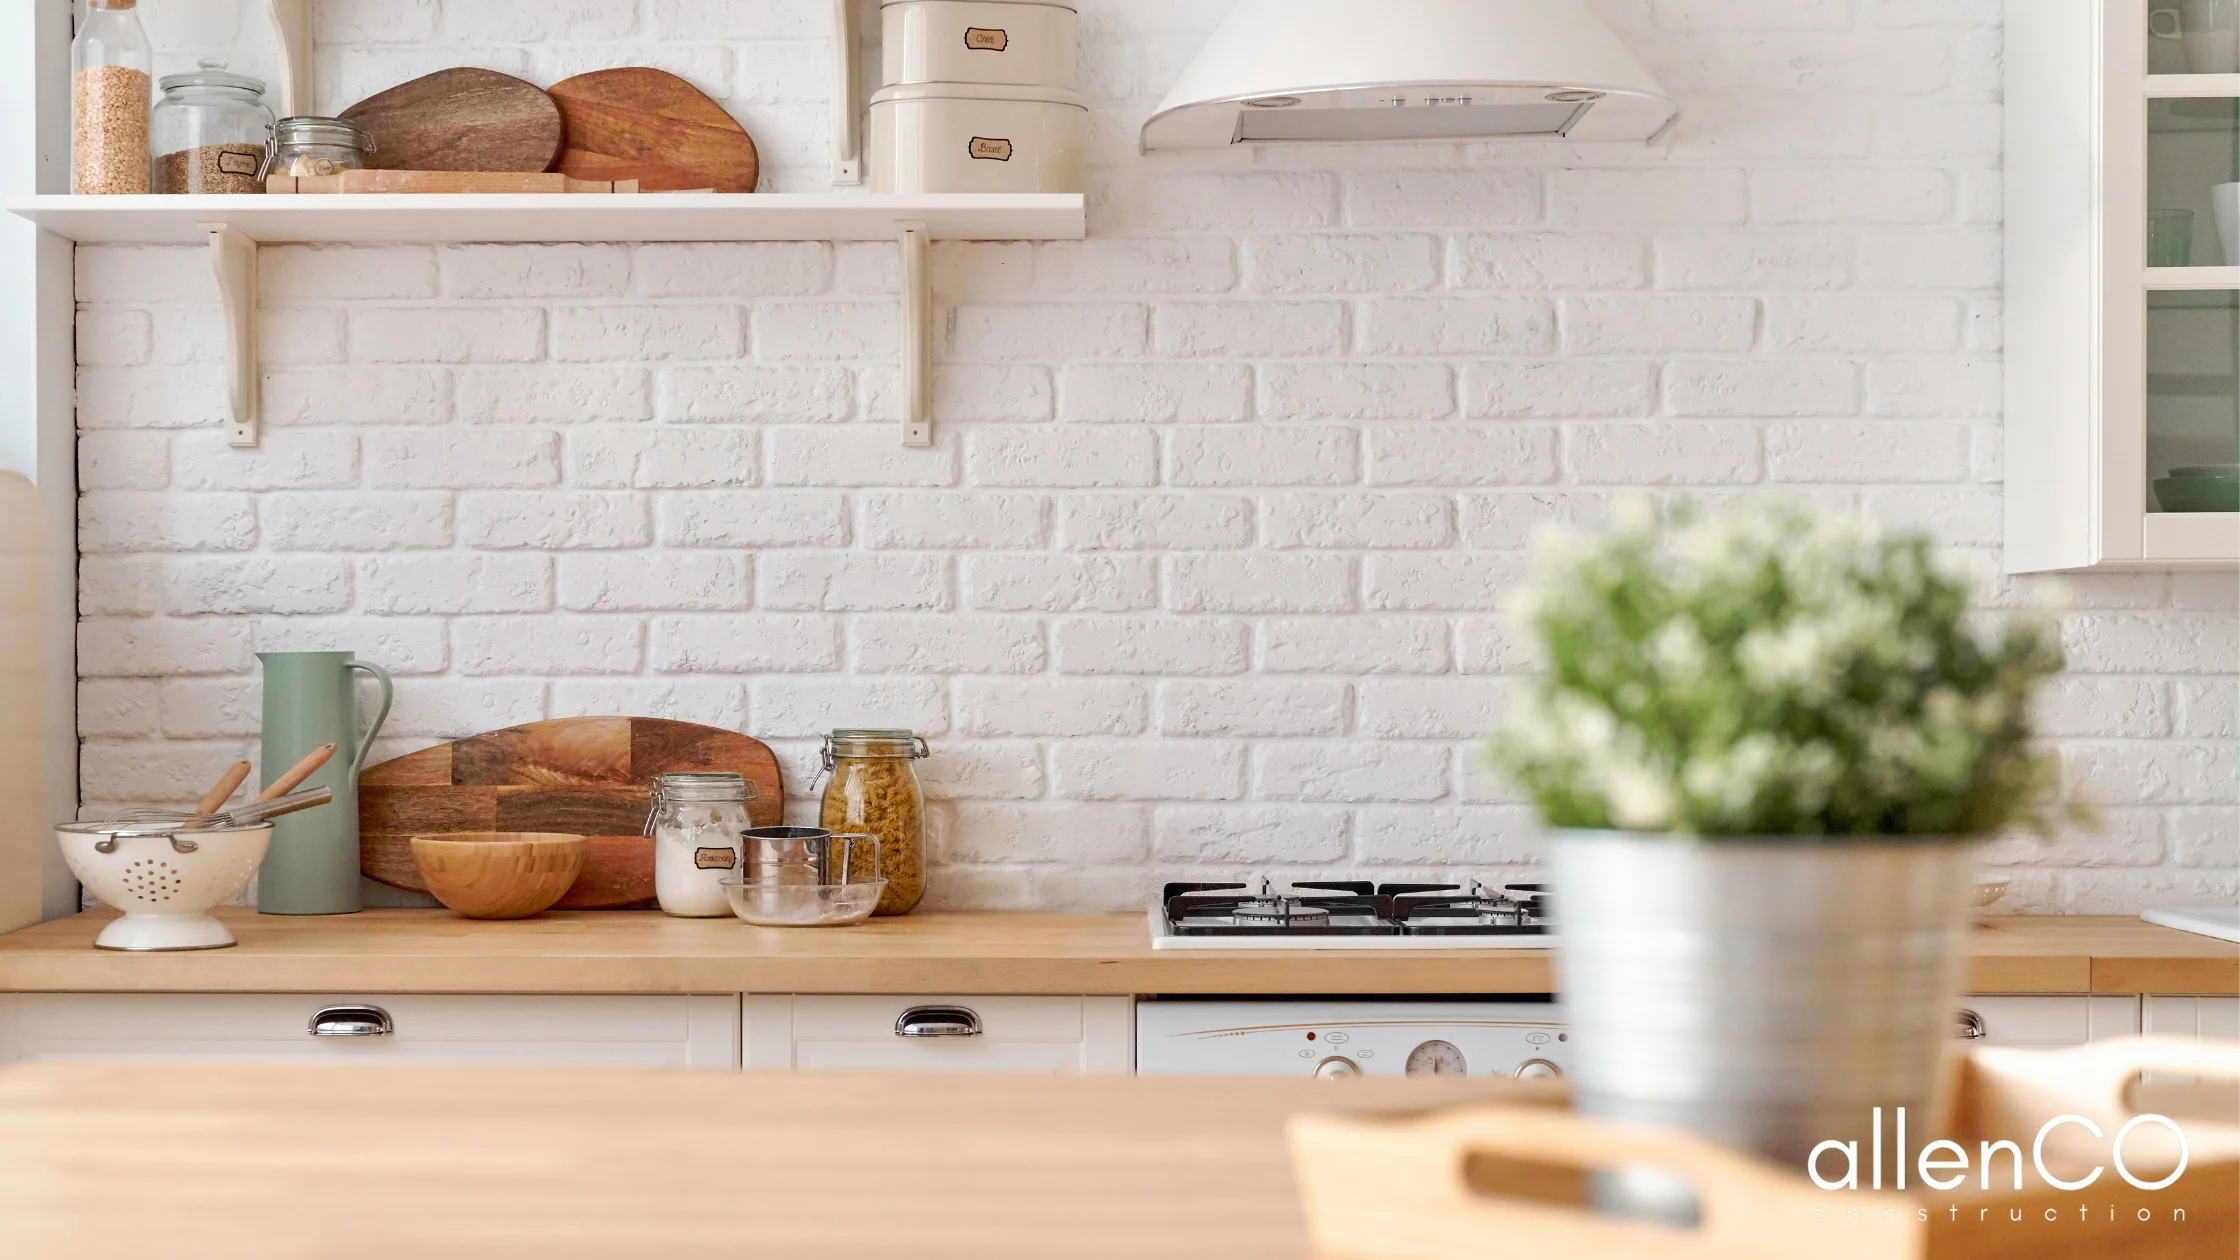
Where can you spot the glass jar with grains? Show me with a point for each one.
(310, 145)
(696, 822)
(209, 132)
(109, 64)
(872, 787)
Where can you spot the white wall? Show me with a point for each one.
(1202, 574)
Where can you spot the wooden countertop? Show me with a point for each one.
(265, 1161)
(434, 951)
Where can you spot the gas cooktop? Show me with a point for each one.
(1351, 914)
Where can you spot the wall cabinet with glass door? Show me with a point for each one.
(2123, 284)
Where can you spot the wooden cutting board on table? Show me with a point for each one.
(464, 119)
(651, 126)
(582, 776)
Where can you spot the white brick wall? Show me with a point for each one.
(1203, 574)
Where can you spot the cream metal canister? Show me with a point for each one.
(1029, 43)
(977, 138)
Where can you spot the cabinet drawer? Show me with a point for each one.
(1060, 1036)
(2194, 1017)
(2053, 1021)
(652, 1031)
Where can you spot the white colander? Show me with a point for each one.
(166, 880)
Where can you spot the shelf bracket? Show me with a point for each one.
(291, 24)
(847, 113)
(233, 256)
(917, 338)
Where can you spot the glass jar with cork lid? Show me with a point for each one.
(109, 64)
(209, 132)
(871, 787)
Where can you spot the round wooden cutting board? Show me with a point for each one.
(464, 119)
(651, 126)
(590, 777)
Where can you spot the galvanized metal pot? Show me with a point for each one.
(1765, 992)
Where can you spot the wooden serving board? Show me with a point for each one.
(444, 182)
(591, 777)
(651, 126)
(462, 119)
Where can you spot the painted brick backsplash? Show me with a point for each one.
(1204, 571)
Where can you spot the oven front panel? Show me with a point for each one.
(1275, 1038)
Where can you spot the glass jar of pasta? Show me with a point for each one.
(871, 786)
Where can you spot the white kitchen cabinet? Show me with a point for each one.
(2192, 1017)
(591, 1031)
(1055, 1036)
(2118, 372)
(2051, 1021)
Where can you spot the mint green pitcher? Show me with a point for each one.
(311, 698)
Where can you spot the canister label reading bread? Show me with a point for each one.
(991, 150)
(715, 859)
(986, 39)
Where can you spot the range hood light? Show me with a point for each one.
(1410, 70)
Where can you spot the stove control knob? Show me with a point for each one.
(1537, 1067)
(1335, 1066)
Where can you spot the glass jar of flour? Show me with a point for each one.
(696, 822)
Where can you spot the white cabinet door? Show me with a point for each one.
(1053, 1036)
(2193, 1017)
(637, 1031)
(2052, 1021)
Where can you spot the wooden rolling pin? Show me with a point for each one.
(297, 773)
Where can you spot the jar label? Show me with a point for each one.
(986, 39)
(715, 859)
(236, 162)
(991, 150)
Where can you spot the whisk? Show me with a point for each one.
(278, 799)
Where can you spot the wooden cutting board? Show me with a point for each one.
(591, 777)
(651, 126)
(464, 119)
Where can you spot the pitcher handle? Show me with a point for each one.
(388, 697)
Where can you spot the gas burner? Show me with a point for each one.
(1308, 912)
(1281, 911)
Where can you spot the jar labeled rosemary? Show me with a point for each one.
(696, 822)
(872, 787)
(209, 132)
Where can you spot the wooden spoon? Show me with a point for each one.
(298, 772)
(223, 789)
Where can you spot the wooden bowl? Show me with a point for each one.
(499, 874)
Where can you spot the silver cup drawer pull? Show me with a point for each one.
(1970, 1026)
(352, 1021)
(937, 1021)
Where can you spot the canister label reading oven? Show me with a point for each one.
(988, 150)
(986, 39)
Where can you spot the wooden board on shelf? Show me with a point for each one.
(591, 777)
(433, 182)
(651, 126)
(461, 119)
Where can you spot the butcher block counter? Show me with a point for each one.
(435, 951)
(251, 1162)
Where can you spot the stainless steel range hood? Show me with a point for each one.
(1340, 71)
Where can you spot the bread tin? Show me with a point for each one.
(977, 138)
(1028, 43)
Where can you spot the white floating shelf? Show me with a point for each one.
(457, 217)
(233, 226)
(2171, 279)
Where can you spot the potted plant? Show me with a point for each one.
(1769, 748)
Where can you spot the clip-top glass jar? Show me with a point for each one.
(310, 145)
(208, 132)
(696, 822)
(872, 787)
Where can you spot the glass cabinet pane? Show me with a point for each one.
(2193, 36)
(2193, 178)
(2193, 401)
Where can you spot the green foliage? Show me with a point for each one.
(1768, 672)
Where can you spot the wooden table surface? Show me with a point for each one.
(261, 1162)
(435, 951)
